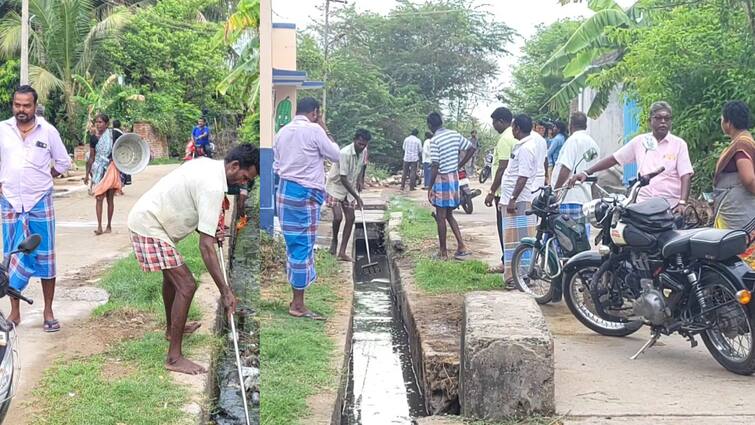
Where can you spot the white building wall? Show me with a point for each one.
(608, 129)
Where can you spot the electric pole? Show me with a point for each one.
(326, 44)
(24, 42)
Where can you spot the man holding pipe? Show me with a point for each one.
(188, 199)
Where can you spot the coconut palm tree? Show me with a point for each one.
(64, 37)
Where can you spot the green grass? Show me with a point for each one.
(417, 225)
(129, 383)
(132, 289)
(136, 389)
(447, 277)
(295, 354)
(165, 161)
(418, 230)
(376, 171)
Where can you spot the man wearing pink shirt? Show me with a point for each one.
(300, 148)
(652, 151)
(32, 155)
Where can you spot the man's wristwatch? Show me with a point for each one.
(682, 202)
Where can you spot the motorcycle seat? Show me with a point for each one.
(706, 243)
(675, 242)
(718, 244)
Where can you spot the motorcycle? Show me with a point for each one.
(537, 262)
(646, 272)
(8, 336)
(466, 193)
(487, 169)
(192, 151)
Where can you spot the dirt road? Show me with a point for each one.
(596, 383)
(81, 257)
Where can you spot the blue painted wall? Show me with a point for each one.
(267, 190)
(631, 127)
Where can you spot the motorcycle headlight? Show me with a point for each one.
(595, 211)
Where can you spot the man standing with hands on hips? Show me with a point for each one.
(32, 155)
(651, 151)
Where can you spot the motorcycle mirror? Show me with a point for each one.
(30, 244)
(590, 155)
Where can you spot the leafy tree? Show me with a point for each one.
(9, 74)
(590, 51)
(64, 38)
(386, 73)
(529, 89)
(242, 35)
(445, 49)
(109, 98)
(696, 59)
(175, 58)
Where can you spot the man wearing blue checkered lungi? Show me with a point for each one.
(300, 149)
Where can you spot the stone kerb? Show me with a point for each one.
(507, 365)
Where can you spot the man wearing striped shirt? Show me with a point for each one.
(412, 148)
(444, 192)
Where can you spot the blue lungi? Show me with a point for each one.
(17, 227)
(299, 213)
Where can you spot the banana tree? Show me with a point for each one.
(241, 34)
(589, 51)
(98, 99)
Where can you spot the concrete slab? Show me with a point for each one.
(506, 357)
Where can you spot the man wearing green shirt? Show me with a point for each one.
(501, 153)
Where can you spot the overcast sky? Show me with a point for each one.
(521, 15)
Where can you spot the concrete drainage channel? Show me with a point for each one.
(382, 385)
(244, 275)
(504, 367)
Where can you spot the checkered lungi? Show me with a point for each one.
(17, 227)
(332, 202)
(575, 212)
(515, 227)
(155, 254)
(299, 214)
(445, 191)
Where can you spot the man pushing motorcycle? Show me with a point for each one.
(651, 151)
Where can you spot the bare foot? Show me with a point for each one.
(108, 229)
(344, 257)
(190, 328)
(184, 365)
(98, 231)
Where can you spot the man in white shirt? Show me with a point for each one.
(188, 199)
(412, 148)
(578, 153)
(342, 195)
(427, 162)
(524, 174)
